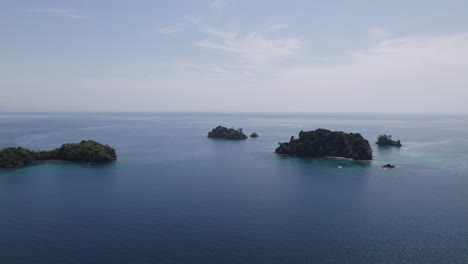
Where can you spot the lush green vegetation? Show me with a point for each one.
(86, 151)
(384, 140)
(326, 143)
(16, 157)
(227, 133)
(254, 135)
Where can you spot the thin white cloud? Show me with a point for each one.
(409, 75)
(278, 27)
(217, 4)
(62, 12)
(219, 33)
(170, 30)
(188, 65)
(404, 75)
(379, 32)
(416, 74)
(193, 20)
(201, 67)
(252, 47)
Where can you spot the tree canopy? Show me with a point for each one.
(326, 143)
(254, 135)
(86, 151)
(227, 133)
(386, 140)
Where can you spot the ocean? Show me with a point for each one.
(176, 196)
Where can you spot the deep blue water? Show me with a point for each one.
(175, 196)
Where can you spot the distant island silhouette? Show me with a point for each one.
(325, 143)
(86, 151)
(227, 133)
(384, 140)
(254, 135)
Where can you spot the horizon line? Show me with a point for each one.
(234, 112)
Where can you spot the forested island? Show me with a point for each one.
(87, 151)
(227, 133)
(384, 140)
(325, 143)
(254, 135)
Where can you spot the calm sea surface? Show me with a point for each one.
(175, 196)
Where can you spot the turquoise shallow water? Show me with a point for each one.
(175, 196)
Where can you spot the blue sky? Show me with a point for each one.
(226, 55)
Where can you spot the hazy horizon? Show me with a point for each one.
(234, 56)
(238, 113)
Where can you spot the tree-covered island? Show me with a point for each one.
(384, 140)
(254, 135)
(325, 143)
(227, 133)
(87, 151)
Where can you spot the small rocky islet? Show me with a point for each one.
(86, 151)
(227, 133)
(254, 135)
(386, 140)
(389, 166)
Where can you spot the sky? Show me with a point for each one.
(354, 56)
